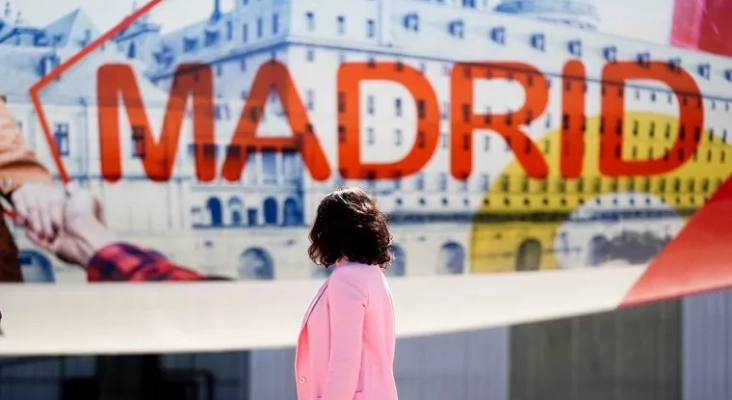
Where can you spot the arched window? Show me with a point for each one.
(452, 259)
(292, 214)
(270, 211)
(256, 263)
(213, 206)
(528, 257)
(35, 266)
(399, 264)
(235, 208)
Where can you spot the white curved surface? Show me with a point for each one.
(221, 316)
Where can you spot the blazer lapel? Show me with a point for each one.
(312, 304)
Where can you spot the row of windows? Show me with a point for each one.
(530, 81)
(529, 202)
(61, 136)
(291, 215)
(259, 28)
(597, 185)
(456, 28)
(533, 201)
(211, 37)
(508, 117)
(370, 27)
(560, 186)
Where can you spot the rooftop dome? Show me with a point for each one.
(579, 14)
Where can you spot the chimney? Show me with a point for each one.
(216, 14)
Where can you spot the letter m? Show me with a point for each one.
(117, 81)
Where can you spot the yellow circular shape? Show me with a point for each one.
(515, 227)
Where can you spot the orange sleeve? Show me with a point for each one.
(18, 163)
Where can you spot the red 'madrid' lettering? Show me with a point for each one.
(274, 76)
(158, 158)
(691, 118)
(193, 80)
(350, 77)
(508, 125)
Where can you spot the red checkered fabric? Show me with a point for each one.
(129, 263)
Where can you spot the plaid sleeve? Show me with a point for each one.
(126, 262)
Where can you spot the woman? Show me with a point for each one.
(346, 345)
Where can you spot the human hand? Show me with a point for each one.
(40, 207)
(82, 232)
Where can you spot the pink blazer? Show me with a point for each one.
(345, 350)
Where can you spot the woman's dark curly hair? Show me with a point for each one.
(349, 225)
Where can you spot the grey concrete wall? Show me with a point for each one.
(461, 366)
(630, 354)
(707, 346)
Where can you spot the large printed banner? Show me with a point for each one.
(499, 136)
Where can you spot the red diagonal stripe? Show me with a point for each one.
(35, 89)
(697, 260)
(38, 86)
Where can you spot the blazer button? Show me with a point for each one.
(301, 379)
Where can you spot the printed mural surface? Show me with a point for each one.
(499, 135)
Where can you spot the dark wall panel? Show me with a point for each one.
(631, 354)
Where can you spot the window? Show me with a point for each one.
(505, 183)
(419, 182)
(370, 31)
(469, 3)
(341, 58)
(275, 24)
(250, 169)
(410, 22)
(243, 64)
(190, 44)
(310, 20)
(370, 137)
(260, 27)
(442, 181)
(310, 100)
(209, 39)
(398, 107)
(290, 166)
(245, 33)
(341, 24)
(443, 140)
(370, 104)
(310, 55)
(61, 137)
(398, 137)
(485, 182)
(269, 166)
(138, 141)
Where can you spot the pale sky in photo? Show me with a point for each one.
(648, 20)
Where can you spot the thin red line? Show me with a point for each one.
(38, 86)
